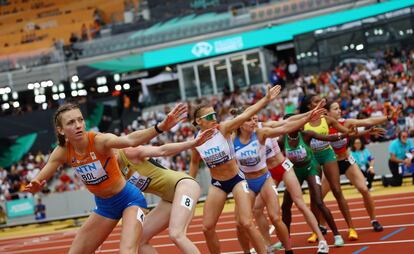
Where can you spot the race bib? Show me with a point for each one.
(287, 165)
(139, 181)
(351, 159)
(91, 173)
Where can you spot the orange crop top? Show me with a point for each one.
(95, 170)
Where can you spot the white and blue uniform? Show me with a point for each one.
(251, 157)
(215, 152)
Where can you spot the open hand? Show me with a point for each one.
(317, 113)
(377, 132)
(204, 136)
(272, 92)
(34, 186)
(177, 114)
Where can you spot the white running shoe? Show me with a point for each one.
(339, 242)
(323, 247)
(277, 246)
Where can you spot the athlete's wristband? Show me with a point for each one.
(157, 129)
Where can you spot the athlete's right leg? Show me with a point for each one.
(295, 191)
(316, 198)
(242, 198)
(261, 219)
(271, 198)
(186, 196)
(212, 209)
(92, 234)
(155, 222)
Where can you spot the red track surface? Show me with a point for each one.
(395, 212)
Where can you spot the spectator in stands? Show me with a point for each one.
(3, 216)
(401, 158)
(292, 69)
(84, 33)
(364, 159)
(40, 210)
(3, 173)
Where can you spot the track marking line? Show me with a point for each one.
(392, 233)
(360, 250)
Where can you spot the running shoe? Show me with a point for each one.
(323, 229)
(352, 235)
(313, 238)
(323, 247)
(377, 226)
(339, 242)
(277, 246)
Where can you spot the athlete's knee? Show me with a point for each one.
(208, 228)
(363, 190)
(275, 218)
(337, 191)
(128, 248)
(245, 223)
(176, 235)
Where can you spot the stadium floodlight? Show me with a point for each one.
(352, 46)
(55, 97)
(62, 96)
(127, 86)
(5, 106)
(16, 104)
(82, 92)
(49, 83)
(36, 92)
(44, 106)
(43, 84)
(54, 89)
(103, 89)
(30, 86)
(118, 87)
(75, 78)
(2, 91)
(101, 80)
(61, 88)
(359, 47)
(5, 97)
(74, 93)
(7, 90)
(40, 98)
(37, 85)
(73, 86)
(80, 85)
(117, 77)
(15, 95)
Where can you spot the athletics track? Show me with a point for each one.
(394, 211)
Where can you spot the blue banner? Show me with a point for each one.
(20, 207)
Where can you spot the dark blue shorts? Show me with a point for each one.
(256, 184)
(227, 186)
(113, 207)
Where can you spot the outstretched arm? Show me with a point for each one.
(334, 123)
(107, 141)
(292, 126)
(333, 137)
(172, 148)
(230, 125)
(366, 122)
(56, 159)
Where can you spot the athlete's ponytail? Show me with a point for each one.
(57, 120)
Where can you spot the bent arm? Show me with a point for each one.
(330, 138)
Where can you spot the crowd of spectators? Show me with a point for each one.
(363, 90)
(14, 179)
